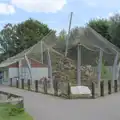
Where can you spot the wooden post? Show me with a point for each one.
(22, 83)
(115, 86)
(36, 85)
(17, 83)
(10, 82)
(28, 85)
(69, 90)
(55, 87)
(109, 87)
(102, 88)
(45, 85)
(93, 90)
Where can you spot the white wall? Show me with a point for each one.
(13, 72)
(5, 79)
(37, 73)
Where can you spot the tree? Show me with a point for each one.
(6, 41)
(30, 32)
(101, 26)
(114, 29)
(16, 38)
(62, 35)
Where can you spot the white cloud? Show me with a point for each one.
(103, 3)
(39, 5)
(112, 14)
(6, 9)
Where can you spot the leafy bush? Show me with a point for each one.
(13, 110)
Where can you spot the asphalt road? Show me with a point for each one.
(44, 107)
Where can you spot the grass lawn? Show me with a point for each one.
(10, 112)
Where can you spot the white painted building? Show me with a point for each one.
(20, 70)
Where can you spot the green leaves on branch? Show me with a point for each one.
(16, 38)
(108, 28)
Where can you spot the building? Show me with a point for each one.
(20, 70)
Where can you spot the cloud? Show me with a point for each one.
(111, 14)
(39, 5)
(103, 3)
(6, 9)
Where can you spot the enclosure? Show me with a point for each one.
(85, 58)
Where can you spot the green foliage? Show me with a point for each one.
(62, 35)
(108, 28)
(12, 112)
(30, 32)
(101, 26)
(114, 29)
(16, 38)
(105, 74)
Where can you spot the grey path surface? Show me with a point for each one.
(43, 107)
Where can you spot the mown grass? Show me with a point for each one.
(12, 112)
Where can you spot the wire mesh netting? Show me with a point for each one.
(90, 58)
(90, 68)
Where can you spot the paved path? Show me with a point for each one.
(44, 107)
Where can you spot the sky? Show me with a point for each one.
(56, 13)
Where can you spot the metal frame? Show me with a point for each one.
(114, 77)
(78, 64)
(100, 67)
(41, 44)
(118, 72)
(29, 66)
(49, 68)
(66, 50)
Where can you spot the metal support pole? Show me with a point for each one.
(29, 67)
(66, 50)
(100, 67)
(78, 64)
(18, 69)
(115, 69)
(118, 72)
(20, 63)
(41, 52)
(50, 69)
